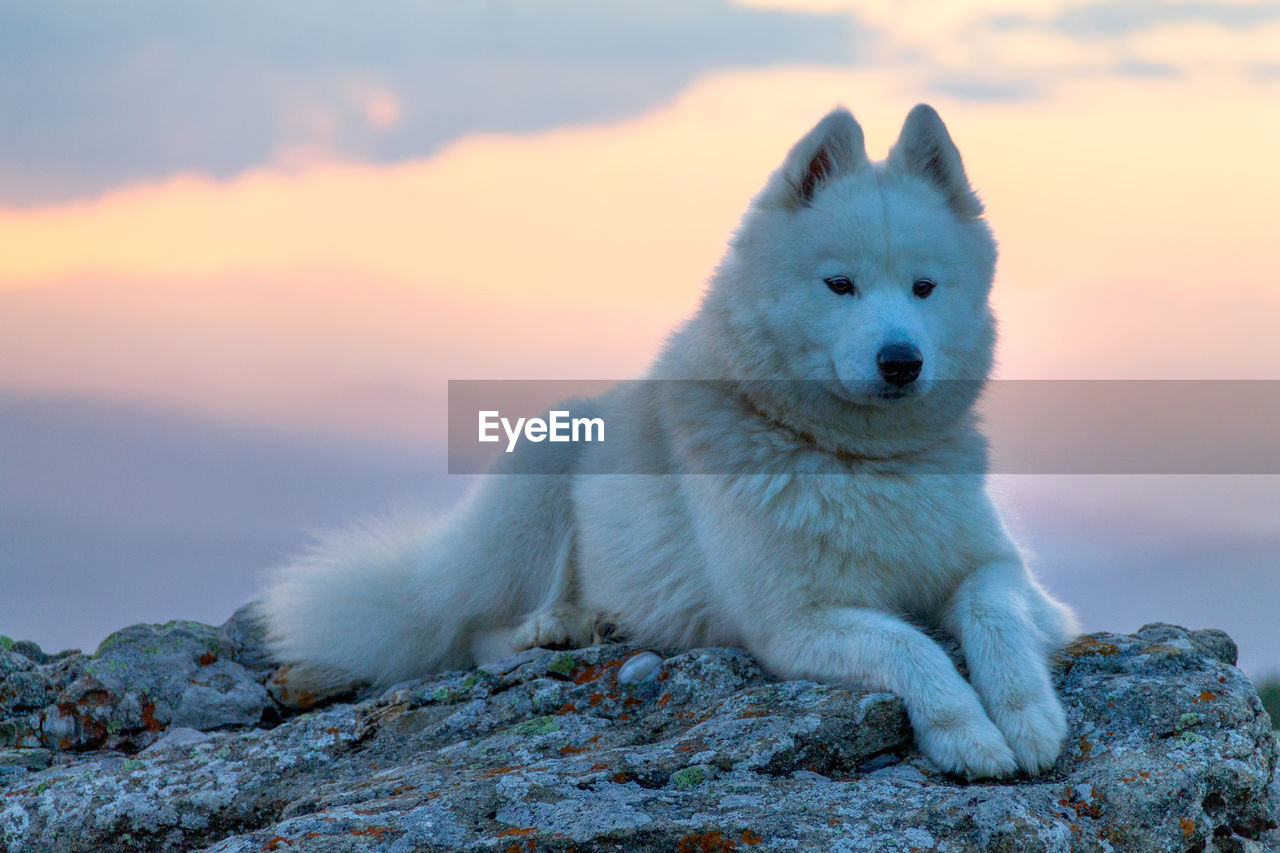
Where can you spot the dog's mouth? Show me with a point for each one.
(894, 392)
(874, 393)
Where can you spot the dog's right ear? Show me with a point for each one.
(834, 147)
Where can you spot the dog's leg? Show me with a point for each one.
(556, 623)
(558, 620)
(854, 645)
(1001, 618)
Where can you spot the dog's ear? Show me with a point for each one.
(924, 148)
(834, 147)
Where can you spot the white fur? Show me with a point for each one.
(834, 524)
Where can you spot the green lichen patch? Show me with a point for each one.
(6, 642)
(689, 777)
(537, 726)
(562, 664)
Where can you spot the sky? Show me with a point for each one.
(243, 248)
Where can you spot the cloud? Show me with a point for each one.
(1134, 39)
(977, 87)
(130, 91)
(1001, 51)
(1126, 18)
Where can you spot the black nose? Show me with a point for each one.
(899, 364)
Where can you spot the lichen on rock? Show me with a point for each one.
(1169, 750)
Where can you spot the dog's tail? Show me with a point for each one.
(343, 612)
(382, 604)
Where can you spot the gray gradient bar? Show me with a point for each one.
(1032, 426)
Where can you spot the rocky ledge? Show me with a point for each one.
(179, 737)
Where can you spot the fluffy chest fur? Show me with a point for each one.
(746, 519)
(891, 542)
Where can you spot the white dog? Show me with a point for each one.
(829, 496)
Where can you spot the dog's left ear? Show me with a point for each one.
(924, 148)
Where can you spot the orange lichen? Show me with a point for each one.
(706, 842)
(149, 718)
(1087, 645)
(591, 673)
(301, 699)
(1082, 809)
(498, 771)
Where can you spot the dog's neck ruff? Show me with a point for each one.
(844, 455)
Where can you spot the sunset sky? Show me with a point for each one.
(224, 225)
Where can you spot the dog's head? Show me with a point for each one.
(868, 282)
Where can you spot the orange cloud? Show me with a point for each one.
(1136, 222)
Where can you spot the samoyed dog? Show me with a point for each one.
(816, 495)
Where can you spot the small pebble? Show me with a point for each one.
(639, 668)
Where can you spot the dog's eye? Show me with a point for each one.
(839, 284)
(923, 287)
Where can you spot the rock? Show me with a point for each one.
(141, 680)
(1169, 750)
(28, 759)
(177, 736)
(246, 630)
(299, 687)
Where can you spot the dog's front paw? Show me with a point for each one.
(1034, 725)
(966, 744)
(561, 626)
